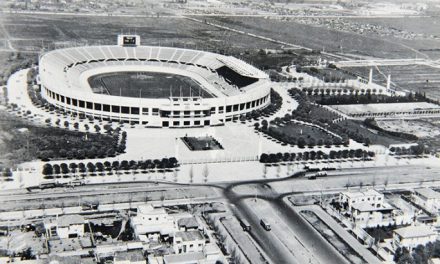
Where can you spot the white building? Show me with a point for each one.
(152, 221)
(66, 226)
(412, 236)
(129, 257)
(427, 198)
(372, 197)
(211, 255)
(188, 241)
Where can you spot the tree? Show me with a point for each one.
(64, 168)
(264, 158)
(47, 169)
(205, 173)
(99, 167)
(56, 169)
(91, 167)
(73, 166)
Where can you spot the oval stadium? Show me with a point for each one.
(153, 86)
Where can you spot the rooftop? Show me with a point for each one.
(149, 209)
(189, 235)
(369, 192)
(428, 193)
(68, 220)
(192, 257)
(366, 207)
(415, 231)
(132, 256)
(188, 222)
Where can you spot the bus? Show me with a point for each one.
(245, 224)
(265, 224)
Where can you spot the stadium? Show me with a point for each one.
(150, 85)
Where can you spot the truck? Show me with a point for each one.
(265, 224)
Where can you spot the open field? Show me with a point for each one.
(312, 37)
(418, 25)
(419, 128)
(146, 85)
(426, 129)
(31, 32)
(380, 108)
(415, 78)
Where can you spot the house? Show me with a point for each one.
(365, 215)
(185, 258)
(152, 222)
(187, 223)
(66, 226)
(211, 255)
(412, 236)
(129, 257)
(427, 198)
(372, 197)
(188, 241)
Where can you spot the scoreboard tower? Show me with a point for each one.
(129, 40)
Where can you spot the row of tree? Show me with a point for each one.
(417, 150)
(315, 155)
(369, 98)
(64, 168)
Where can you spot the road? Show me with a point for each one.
(292, 240)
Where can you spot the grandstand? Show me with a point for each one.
(154, 86)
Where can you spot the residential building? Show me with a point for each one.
(185, 258)
(151, 221)
(427, 198)
(412, 236)
(187, 223)
(188, 241)
(365, 215)
(129, 257)
(370, 196)
(66, 226)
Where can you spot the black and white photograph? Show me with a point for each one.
(220, 131)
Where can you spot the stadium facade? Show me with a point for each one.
(230, 86)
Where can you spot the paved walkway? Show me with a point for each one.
(240, 143)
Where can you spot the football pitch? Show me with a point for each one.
(147, 85)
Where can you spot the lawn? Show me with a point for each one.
(146, 85)
(299, 134)
(21, 141)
